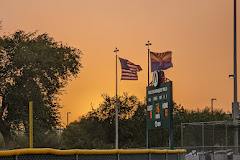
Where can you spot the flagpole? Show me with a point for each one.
(116, 107)
(235, 104)
(148, 133)
(148, 44)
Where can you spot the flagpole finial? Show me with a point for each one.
(148, 44)
(116, 50)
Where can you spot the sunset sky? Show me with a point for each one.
(198, 32)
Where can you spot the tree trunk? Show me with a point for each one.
(4, 126)
(5, 130)
(6, 138)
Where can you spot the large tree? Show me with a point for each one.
(97, 128)
(33, 67)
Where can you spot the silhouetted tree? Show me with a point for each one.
(33, 67)
(97, 128)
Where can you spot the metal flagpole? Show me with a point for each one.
(148, 133)
(116, 106)
(148, 44)
(235, 103)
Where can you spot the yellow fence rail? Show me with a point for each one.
(80, 151)
(82, 154)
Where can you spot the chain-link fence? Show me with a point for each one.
(76, 154)
(209, 140)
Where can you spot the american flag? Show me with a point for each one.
(129, 70)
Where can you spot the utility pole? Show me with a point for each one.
(67, 117)
(213, 99)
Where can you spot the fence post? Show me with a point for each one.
(76, 156)
(118, 156)
(149, 156)
(182, 134)
(203, 137)
(213, 148)
(16, 157)
(226, 136)
(30, 124)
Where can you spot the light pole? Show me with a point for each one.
(116, 106)
(213, 99)
(67, 116)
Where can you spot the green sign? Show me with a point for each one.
(159, 106)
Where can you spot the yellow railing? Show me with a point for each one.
(82, 151)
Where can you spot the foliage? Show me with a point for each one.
(41, 140)
(97, 128)
(181, 115)
(33, 67)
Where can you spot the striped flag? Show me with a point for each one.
(129, 70)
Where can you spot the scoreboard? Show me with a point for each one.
(159, 106)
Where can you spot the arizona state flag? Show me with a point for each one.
(161, 61)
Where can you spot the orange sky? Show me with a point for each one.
(198, 32)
